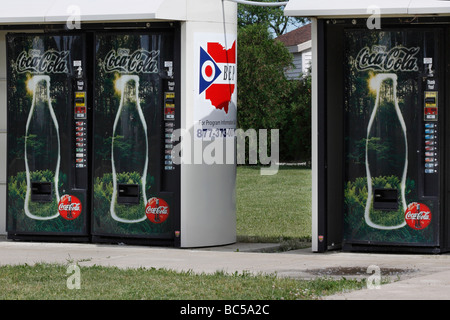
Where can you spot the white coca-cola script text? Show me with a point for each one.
(422, 215)
(140, 61)
(158, 210)
(397, 58)
(69, 207)
(50, 61)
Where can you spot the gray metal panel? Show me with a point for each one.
(208, 205)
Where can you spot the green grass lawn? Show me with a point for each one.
(49, 282)
(274, 208)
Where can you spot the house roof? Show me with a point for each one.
(297, 36)
(348, 8)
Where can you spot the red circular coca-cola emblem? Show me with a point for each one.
(157, 210)
(418, 216)
(69, 207)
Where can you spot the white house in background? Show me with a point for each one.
(298, 42)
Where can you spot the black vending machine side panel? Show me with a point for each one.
(134, 118)
(46, 197)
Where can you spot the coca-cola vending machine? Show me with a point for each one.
(48, 185)
(90, 136)
(116, 115)
(392, 137)
(135, 183)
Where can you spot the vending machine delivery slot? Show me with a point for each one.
(41, 191)
(128, 193)
(385, 199)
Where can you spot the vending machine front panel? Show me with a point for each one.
(46, 195)
(392, 137)
(134, 116)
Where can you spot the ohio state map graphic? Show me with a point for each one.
(218, 74)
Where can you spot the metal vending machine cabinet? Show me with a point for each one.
(113, 119)
(392, 139)
(135, 184)
(47, 193)
(380, 138)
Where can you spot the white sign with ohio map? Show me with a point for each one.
(215, 85)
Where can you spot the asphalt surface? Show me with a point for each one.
(411, 276)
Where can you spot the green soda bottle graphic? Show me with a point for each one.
(386, 154)
(129, 151)
(42, 152)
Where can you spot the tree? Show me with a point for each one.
(263, 87)
(266, 98)
(272, 17)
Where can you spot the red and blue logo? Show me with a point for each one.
(218, 74)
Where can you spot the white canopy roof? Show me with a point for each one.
(56, 11)
(353, 8)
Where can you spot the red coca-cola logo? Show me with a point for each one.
(157, 210)
(69, 207)
(418, 216)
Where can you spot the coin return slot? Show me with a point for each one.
(128, 193)
(41, 191)
(385, 199)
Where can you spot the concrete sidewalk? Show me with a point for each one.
(418, 277)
